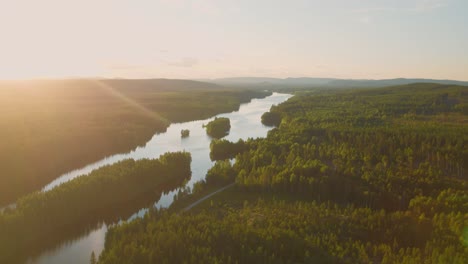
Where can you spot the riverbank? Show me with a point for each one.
(43, 219)
(48, 128)
(245, 124)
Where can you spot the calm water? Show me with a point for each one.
(245, 123)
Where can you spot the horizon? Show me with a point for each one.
(190, 40)
(67, 78)
(233, 131)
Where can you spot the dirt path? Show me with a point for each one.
(206, 197)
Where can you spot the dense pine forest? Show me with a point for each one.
(108, 194)
(347, 176)
(45, 123)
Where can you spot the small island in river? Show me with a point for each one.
(184, 133)
(219, 127)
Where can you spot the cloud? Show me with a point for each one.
(185, 62)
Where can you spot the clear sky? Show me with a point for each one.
(221, 38)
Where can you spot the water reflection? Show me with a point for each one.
(84, 225)
(245, 123)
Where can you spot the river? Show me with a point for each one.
(245, 123)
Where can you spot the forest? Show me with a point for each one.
(223, 149)
(45, 123)
(375, 175)
(218, 128)
(43, 219)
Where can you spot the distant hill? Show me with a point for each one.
(390, 82)
(160, 84)
(265, 81)
(91, 83)
(262, 82)
(49, 127)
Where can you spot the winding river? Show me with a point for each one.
(245, 123)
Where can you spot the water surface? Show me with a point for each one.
(245, 124)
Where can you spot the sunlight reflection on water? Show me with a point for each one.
(245, 123)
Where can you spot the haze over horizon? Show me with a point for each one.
(188, 39)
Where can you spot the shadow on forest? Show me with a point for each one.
(91, 222)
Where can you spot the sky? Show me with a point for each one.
(195, 39)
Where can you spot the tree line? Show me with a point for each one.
(348, 176)
(43, 219)
(45, 123)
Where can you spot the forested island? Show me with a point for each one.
(43, 219)
(348, 176)
(109, 116)
(184, 133)
(219, 127)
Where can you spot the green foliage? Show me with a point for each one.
(447, 201)
(222, 173)
(379, 175)
(360, 147)
(219, 127)
(42, 219)
(184, 133)
(271, 119)
(48, 128)
(280, 232)
(223, 149)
